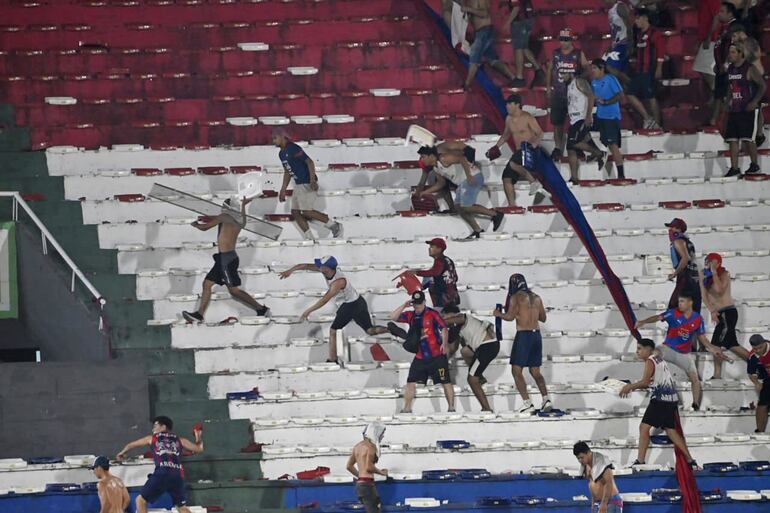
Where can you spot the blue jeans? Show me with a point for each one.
(467, 193)
(484, 46)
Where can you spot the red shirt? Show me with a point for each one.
(650, 48)
(432, 325)
(707, 9)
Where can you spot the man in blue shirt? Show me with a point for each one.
(608, 92)
(298, 165)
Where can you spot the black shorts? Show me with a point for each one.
(642, 86)
(609, 131)
(356, 311)
(225, 269)
(742, 126)
(764, 393)
(437, 369)
(165, 481)
(685, 283)
(578, 133)
(721, 85)
(482, 357)
(724, 332)
(518, 159)
(558, 110)
(510, 174)
(660, 414)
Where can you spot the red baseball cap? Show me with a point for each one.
(677, 223)
(438, 242)
(714, 257)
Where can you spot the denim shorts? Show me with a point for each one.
(520, 31)
(467, 193)
(483, 46)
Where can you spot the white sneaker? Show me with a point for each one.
(547, 406)
(535, 187)
(527, 408)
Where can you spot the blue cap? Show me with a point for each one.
(101, 461)
(326, 261)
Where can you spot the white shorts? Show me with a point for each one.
(686, 362)
(303, 197)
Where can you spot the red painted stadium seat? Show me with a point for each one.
(129, 198)
(675, 205)
(612, 207)
(709, 203)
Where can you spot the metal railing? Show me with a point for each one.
(48, 240)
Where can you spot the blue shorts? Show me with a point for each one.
(467, 193)
(615, 505)
(165, 481)
(483, 46)
(527, 349)
(617, 57)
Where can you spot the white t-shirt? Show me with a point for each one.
(577, 102)
(348, 294)
(663, 386)
(618, 27)
(474, 332)
(454, 173)
(600, 464)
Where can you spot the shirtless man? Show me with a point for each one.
(351, 305)
(225, 270)
(480, 347)
(597, 469)
(527, 309)
(361, 464)
(469, 179)
(716, 291)
(525, 129)
(483, 46)
(113, 494)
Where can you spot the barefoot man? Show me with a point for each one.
(168, 476)
(362, 464)
(717, 295)
(527, 309)
(597, 469)
(113, 494)
(525, 129)
(225, 271)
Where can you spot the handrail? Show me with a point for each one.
(47, 239)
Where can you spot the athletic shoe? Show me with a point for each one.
(539, 78)
(336, 230)
(695, 406)
(602, 160)
(693, 464)
(192, 317)
(473, 235)
(733, 172)
(753, 169)
(547, 406)
(539, 198)
(760, 140)
(637, 462)
(396, 330)
(556, 154)
(497, 220)
(527, 408)
(262, 311)
(517, 82)
(535, 187)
